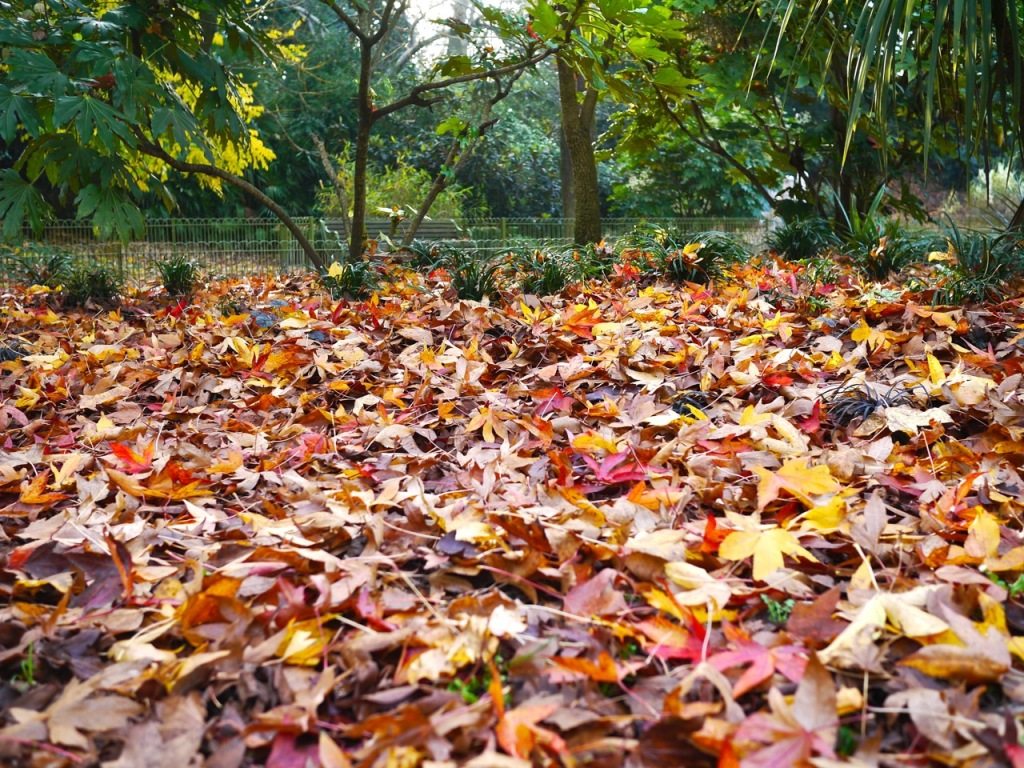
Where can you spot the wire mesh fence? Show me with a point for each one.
(246, 247)
(495, 235)
(222, 247)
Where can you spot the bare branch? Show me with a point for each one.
(412, 50)
(347, 20)
(417, 95)
(384, 25)
(339, 188)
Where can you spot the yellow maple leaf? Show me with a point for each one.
(864, 332)
(750, 417)
(303, 642)
(489, 422)
(827, 517)
(983, 535)
(767, 548)
(589, 442)
(795, 476)
(29, 397)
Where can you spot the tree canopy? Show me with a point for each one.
(106, 109)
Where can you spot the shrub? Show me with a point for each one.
(879, 246)
(95, 283)
(473, 275)
(984, 265)
(42, 265)
(893, 249)
(401, 186)
(594, 261)
(543, 274)
(425, 256)
(179, 274)
(696, 257)
(803, 239)
(717, 250)
(350, 280)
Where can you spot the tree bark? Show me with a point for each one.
(565, 172)
(357, 234)
(577, 127)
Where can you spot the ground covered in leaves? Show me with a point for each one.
(639, 524)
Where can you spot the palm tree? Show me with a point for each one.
(961, 57)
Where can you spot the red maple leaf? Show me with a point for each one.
(614, 469)
(812, 422)
(132, 462)
(763, 662)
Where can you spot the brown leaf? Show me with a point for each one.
(813, 622)
(596, 597)
(668, 742)
(814, 705)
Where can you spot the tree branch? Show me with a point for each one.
(347, 20)
(411, 51)
(155, 150)
(417, 94)
(385, 21)
(712, 145)
(332, 174)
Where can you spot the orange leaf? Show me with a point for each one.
(34, 492)
(603, 671)
(134, 463)
(518, 732)
(957, 663)
(229, 465)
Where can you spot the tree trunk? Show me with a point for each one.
(565, 171)
(357, 235)
(577, 127)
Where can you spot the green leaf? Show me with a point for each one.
(92, 116)
(646, 48)
(111, 210)
(454, 66)
(15, 111)
(20, 202)
(453, 125)
(176, 124)
(36, 72)
(545, 19)
(672, 80)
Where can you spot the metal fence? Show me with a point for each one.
(223, 247)
(244, 247)
(502, 233)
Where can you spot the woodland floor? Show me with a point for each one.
(639, 524)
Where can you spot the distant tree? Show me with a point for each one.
(371, 24)
(102, 102)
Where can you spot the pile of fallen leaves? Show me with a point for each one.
(645, 525)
